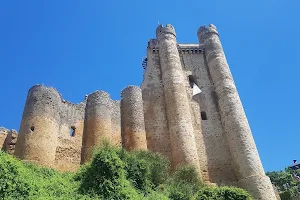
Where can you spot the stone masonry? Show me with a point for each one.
(8, 139)
(207, 129)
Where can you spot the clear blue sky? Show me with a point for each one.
(82, 46)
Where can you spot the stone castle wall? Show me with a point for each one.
(58, 134)
(8, 139)
(208, 130)
(213, 151)
(156, 124)
(68, 150)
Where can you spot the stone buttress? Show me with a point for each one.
(37, 140)
(97, 123)
(180, 124)
(247, 164)
(156, 122)
(132, 119)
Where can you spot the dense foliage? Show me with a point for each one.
(112, 174)
(287, 186)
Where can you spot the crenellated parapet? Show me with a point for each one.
(184, 48)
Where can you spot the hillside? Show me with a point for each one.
(112, 174)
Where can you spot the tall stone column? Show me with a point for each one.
(132, 119)
(97, 123)
(180, 124)
(37, 139)
(248, 166)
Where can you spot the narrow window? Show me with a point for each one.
(72, 131)
(193, 85)
(32, 128)
(203, 115)
(191, 81)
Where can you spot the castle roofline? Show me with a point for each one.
(153, 45)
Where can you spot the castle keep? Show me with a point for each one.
(187, 109)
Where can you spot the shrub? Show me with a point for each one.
(155, 195)
(146, 170)
(105, 176)
(137, 172)
(157, 164)
(20, 180)
(13, 185)
(184, 183)
(222, 193)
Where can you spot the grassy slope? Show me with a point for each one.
(112, 174)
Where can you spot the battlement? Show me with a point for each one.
(203, 30)
(54, 92)
(184, 48)
(168, 29)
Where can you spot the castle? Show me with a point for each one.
(187, 109)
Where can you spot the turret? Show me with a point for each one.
(184, 150)
(37, 140)
(97, 124)
(132, 119)
(247, 164)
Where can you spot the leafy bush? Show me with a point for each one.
(105, 177)
(146, 170)
(20, 180)
(13, 185)
(113, 173)
(157, 165)
(285, 183)
(222, 193)
(183, 183)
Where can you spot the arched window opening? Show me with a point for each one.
(32, 128)
(72, 131)
(193, 85)
(203, 115)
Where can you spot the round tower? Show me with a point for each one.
(248, 166)
(37, 139)
(180, 124)
(97, 123)
(132, 119)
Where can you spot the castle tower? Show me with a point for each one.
(37, 140)
(247, 164)
(181, 131)
(132, 119)
(97, 124)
